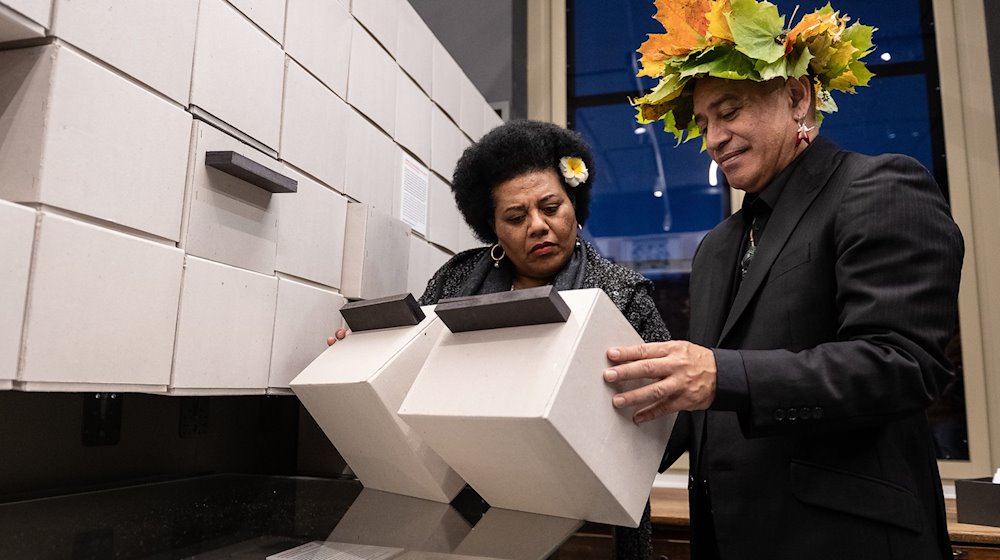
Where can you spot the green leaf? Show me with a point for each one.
(776, 69)
(861, 37)
(670, 125)
(794, 65)
(721, 62)
(861, 72)
(669, 87)
(801, 65)
(756, 28)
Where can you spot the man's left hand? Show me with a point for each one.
(683, 374)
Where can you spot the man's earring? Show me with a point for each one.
(803, 133)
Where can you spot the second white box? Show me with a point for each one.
(524, 416)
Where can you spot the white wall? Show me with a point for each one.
(125, 235)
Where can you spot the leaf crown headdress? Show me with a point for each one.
(745, 40)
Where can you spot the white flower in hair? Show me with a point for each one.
(573, 170)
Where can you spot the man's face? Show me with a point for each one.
(749, 127)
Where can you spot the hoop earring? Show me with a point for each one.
(493, 255)
(803, 133)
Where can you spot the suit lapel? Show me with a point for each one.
(803, 187)
(715, 284)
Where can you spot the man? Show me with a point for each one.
(819, 313)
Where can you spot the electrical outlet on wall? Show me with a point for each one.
(194, 416)
(102, 418)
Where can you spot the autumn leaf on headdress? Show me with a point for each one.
(821, 21)
(756, 28)
(856, 75)
(861, 37)
(718, 22)
(656, 50)
(684, 18)
(745, 40)
(686, 26)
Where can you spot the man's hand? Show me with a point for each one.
(683, 374)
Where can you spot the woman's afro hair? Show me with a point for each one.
(511, 150)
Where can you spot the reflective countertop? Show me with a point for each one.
(268, 517)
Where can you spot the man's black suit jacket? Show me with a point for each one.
(839, 328)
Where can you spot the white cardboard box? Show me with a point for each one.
(372, 163)
(376, 254)
(326, 550)
(414, 46)
(269, 15)
(444, 216)
(312, 224)
(524, 415)
(359, 382)
(418, 271)
(381, 19)
(15, 260)
(318, 36)
(228, 219)
(15, 26)
(80, 138)
(371, 83)
(235, 60)
(224, 330)
(393, 520)
(446, 144)
(315, 130)
(305, 316)
(425, 260)
(447, 81)
(39, 11)
(491, 119)
(152, 40)
(472, 114)
(436, 260)
(101, 311)
(413, 118)
(517, 535)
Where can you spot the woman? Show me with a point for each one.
(524, 189)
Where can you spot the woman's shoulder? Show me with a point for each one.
(630, 291)
(607, 274)
(451, 275)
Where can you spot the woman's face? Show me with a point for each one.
(535, 223)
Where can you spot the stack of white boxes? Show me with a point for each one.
(126, 264)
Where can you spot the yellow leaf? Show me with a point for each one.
(718, 23)
(845, 81)
(841, 57)
(814, 24)
(650, 113)
(656, 50)
(686, 23)
(683, 18)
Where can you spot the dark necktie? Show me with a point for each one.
(753, 234)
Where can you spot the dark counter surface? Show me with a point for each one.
(253, 517)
